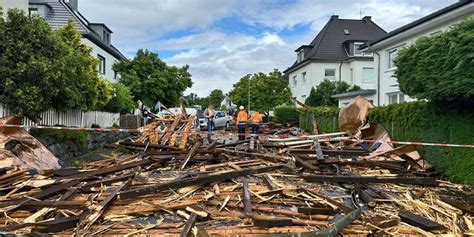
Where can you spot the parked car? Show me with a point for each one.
(221, 120)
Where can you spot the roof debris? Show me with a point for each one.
(168, 180)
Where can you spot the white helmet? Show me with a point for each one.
(241, 107)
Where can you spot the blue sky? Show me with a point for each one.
(222, 40)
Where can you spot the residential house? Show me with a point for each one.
(386, 48)
(334, 55)
(96, 35)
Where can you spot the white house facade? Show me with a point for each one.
(96, 35)
(334, 55)
(386, 48)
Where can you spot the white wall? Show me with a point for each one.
(388, 83)
(315, 75)
(345, 101)
(9, 4)
(109, 59)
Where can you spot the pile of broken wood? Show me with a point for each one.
(161, 183)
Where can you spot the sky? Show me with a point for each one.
(223, 40)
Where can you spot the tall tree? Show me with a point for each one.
(266, 91)
(151, 80)
(321, 95)
(215, 98)
(41, 69)
(82, 86)
(440, 68)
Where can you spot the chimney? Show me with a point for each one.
(73, 4)
(334, 17)
(367, 19)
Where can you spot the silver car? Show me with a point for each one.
(221, 120)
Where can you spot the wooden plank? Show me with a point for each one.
(316, 210)
(186, 132)
(269, 222)
(371, 179)
(467, 207)
(200, 180)
(189, 226)
(307, 166)
(112, 169)
(91, 217)
(170, 130)
(247, 201)
(419, 221)
(191, 153)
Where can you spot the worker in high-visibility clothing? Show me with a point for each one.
(256, 120)
(241, 122)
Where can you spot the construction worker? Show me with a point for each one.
(256, 120)
(241, 122)
(209, 114)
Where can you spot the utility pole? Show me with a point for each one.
(248, 102)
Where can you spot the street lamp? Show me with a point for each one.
(248, 102)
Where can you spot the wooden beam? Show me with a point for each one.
(247, 201)
(419, 221)
(370, 179)
(191, 153)
(189, 226)
(200, 180)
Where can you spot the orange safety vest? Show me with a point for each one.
(256, 117)
(242, 117)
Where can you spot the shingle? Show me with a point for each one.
(329, 43)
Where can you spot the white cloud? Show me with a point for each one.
(218, 59)
(220, 67)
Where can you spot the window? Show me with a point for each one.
(358, 52)
(115, 74)
(395, 98)
(101, 64)
(32, 11)
(368, 75)
(303, 75)
(392, 55)
(294, 81)
(300, 55)
(330, 74)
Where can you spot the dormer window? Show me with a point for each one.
(300, 56)
(359, 53)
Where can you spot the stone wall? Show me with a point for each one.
(65, 150)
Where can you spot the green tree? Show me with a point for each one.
(215, 98)
(266, 91)
(121, 101)
(321, 95)
(82, 87)
(150, 79)
(440, 68)
(41, 69)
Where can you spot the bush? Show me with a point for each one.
(95, 125)
(421, 121)
(77, 137)
(440, 68)
(326, 118)
(287, 114)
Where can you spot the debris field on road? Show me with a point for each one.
(169, 181)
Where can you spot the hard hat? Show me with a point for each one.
(241, 107)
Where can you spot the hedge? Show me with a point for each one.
(420, 121)
(286, 114)
(325, 116)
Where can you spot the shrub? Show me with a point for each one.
(326, 118)
(95, 125)
(287, 114)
